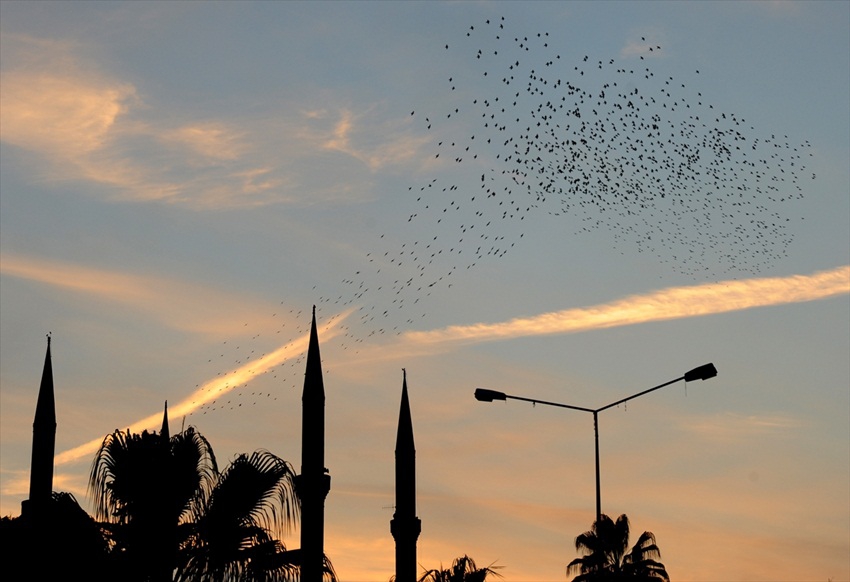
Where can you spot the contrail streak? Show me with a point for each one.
(672, 303)
(665, 304)
(216, 387)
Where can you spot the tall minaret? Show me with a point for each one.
(314, 482)
(43, 443)
(405, 526)
(165, 432)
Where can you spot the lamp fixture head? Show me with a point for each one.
(704, 372)
(485, 395)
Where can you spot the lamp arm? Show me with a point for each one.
(626, 399)
(535, 401)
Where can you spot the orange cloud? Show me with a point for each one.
(375, 148)
(88, 126)
(93, 127)
(62, 114)
(211, 140)
(173, 303)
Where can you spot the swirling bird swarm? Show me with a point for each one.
(525, 134)
(605, 144)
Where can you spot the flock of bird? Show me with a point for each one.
(234, 388)
(526, 134)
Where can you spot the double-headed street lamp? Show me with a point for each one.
(702, 373)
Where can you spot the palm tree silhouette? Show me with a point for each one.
(463, 569)
(143, 487)
(231, 529)
(606, 559)
(171, 515)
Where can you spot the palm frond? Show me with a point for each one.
(463, 569)
(257, 489)
(193, 468)
(102, 472)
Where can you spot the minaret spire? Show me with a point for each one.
(405, 526)
(314, 482)
(43, 441)
(164, 432)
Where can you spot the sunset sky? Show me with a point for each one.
(181, 182)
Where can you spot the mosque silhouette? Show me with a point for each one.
(47, 511)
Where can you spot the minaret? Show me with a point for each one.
(405, 526)
(165, 433)
(314, 482)
(43, 443)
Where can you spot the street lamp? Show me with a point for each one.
(701, 373)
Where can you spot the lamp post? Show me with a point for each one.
(701, 373)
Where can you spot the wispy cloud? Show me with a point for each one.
(738, 428)
(665, 304)
(383, 144)
(86, 125)
(75, 117)
(212, 141)
(171, 302)
(91, 126)
(64, 115)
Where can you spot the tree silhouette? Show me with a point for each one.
(230, 535)
(606, 559)
(463, 569)
(171, 515)
(143, 486)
